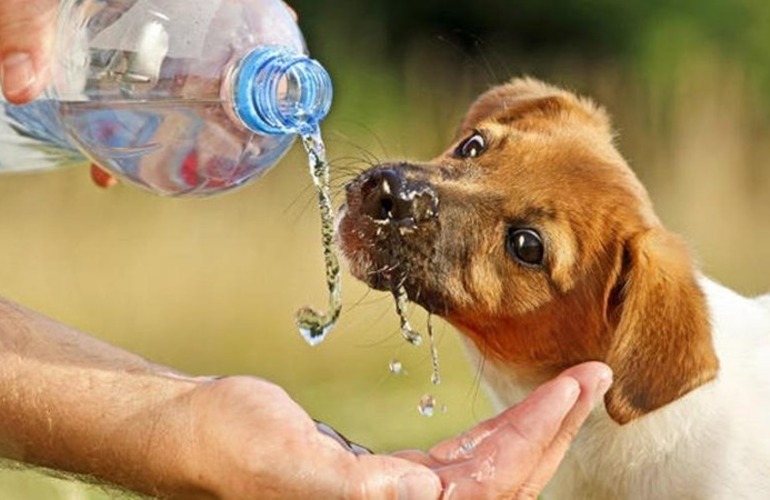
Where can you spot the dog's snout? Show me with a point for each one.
(382, 195)
(387, 195)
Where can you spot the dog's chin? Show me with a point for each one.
(371, 253)
(388, 257)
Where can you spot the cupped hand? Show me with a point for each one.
(251, 440)
(515, 454)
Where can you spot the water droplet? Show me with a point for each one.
(407, 331)
(427, 405)
(314, 335)
(395, 367)
(313, 325)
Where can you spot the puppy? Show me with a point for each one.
(532, 236)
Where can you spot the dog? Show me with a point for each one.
(533, 237)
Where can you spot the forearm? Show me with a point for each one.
(71, 402)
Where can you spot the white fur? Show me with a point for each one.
(713, 443)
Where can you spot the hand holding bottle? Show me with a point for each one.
(180, 97)
(26, 39)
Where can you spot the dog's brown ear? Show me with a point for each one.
(662, 347)
(527, 97)
(508, 107)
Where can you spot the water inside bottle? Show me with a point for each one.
(172, 146)
(32, 138)
(314, 325)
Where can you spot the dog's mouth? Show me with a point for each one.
(387, 231)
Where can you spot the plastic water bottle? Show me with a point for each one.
(182, 97)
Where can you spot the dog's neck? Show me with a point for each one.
(534, 347)
(609, 460)
(595, 466)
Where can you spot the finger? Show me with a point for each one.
(507, 457)
(594, 380)
(26, 40)
(418, 457)
(548, 403)
(382, 476)
(464, 445)
(102, 178)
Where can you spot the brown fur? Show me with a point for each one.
(616, 286)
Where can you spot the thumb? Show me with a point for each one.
(26, 39)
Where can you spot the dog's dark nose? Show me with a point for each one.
(382, 195)
(387, 195)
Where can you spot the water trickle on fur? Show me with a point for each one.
(435, 376)
(313, 325)
(414, 337)
(427, 405)
(407, 331)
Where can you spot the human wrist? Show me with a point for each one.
(150, 447)
(130, 430)
(205, 467)
(73, 403)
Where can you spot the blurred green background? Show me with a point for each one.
(210, 286)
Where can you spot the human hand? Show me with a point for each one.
(264, 445)
(73, 403)
(251, 440)
(27, 29)
(26, 40)
(515, 454)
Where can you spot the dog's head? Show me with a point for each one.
(532, 236)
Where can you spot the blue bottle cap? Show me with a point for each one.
(278, 92)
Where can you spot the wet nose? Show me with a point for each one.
(387, 195)
(382, 195)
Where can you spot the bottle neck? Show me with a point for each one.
(275, 91)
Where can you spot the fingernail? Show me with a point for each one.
(418, 486)
(17, 73)
(604, 383)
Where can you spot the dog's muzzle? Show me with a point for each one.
(388, 231)
(387, 196)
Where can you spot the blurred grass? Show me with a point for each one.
(210, 286)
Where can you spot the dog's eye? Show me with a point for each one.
(471, 147)
(526, 246)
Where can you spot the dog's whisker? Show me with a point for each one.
(302, 197)
(346, 138)
(387, 268)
